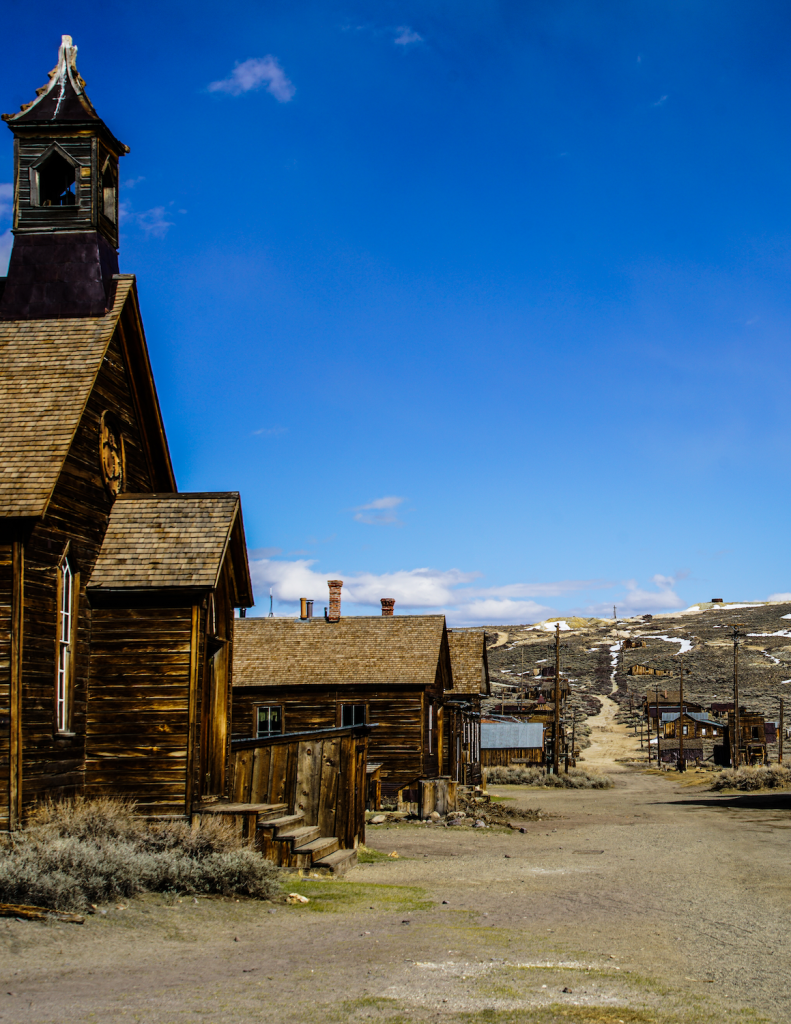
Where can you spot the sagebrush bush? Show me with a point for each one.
(771, 776)
(577, 778)
(78, 852)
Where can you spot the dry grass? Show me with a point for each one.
(577, 778)
(772, 776)
(81, 852)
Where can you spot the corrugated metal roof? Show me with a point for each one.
(699, 716)
(511, 735)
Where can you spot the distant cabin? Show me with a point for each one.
(511, 743)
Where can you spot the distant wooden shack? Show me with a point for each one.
(751, 737)
(703, 736)
(511, 743)
(461, 711)
(292, 675)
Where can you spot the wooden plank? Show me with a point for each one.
(259, 781)
(15, 745)
(308, 780)
(193, 710)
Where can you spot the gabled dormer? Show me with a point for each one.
(65, 201)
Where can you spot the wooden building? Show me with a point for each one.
(751, 737)
(703, 736)
(461, 711)
(389, 671)
(116, 592)
(511, 743)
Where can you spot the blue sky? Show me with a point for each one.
(481, 306)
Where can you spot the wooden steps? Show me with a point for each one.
(284, 838)
(337, 863)
(306, 855)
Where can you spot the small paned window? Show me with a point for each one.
(755, 732)
(352, 714)
(109, 191)
(268, 721)
(684, 730)
(56, 182)
(65, 611)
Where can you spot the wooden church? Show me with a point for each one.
(116, 591)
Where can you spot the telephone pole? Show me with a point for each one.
(737, 638)
(658, 730)
(681, 763)
(556, 744)
(782, 730)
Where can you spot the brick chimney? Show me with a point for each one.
(335, 600)
(387, 605)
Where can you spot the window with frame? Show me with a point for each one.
(268, 720)
(353, 714)
(684, 730)
(65, 614)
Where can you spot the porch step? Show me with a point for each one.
(282, 824)
(263, 811)
(306, 855)
(299, 836)
(337, 863)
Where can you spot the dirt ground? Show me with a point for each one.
(654, 901)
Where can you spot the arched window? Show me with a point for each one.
(65, 611)
(56, 182)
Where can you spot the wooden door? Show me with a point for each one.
(215, 725)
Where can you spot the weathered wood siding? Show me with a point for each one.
(6, 581)
(491, 757)
(54, 763)
(322, 776)
(138, 715)
(400, 741)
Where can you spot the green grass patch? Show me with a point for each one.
(338, 896)
(367, 855)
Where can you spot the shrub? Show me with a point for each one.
(772, 776)
(577, 778)
(78, 852)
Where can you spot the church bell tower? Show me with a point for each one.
(65, 228)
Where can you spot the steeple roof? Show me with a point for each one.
(63, 100)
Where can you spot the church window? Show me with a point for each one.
(65, 612)
(56, 182)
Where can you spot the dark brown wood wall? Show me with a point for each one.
(138, 715)
(77, 514)
(400, 740)
(6, 580)
(504, 757)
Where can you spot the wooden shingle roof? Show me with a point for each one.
(47, 369)
(468, 661)
(166, 541)
(382, 650)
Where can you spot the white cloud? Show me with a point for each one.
(380, 512)
(253, 74)
(783, 598)
(154, 221)
(6, 199)
(406, 35)
(269, 431)
(451, 592)
(637, 601)
(6, 241)
(660, 101)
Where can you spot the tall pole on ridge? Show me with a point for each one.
(681, 765)
(556, 744)
(737, 638)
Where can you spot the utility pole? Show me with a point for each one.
(681, 763)
(556, 745)
(737, 639)
(782, 730)
(658, 730)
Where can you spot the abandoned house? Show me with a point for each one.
(703, 737)
(461, 710)
(388, 671)
(116, 591)
(511, 743)
(752, 737)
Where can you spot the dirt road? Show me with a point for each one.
(651, 901)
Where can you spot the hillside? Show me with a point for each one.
(596, 657)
